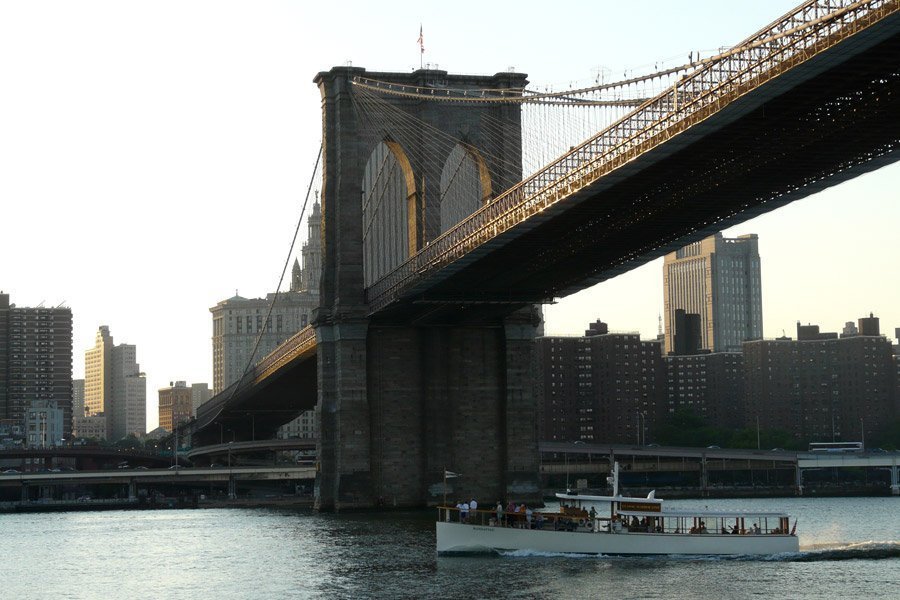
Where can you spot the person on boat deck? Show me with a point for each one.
(510, 507)
(724, 529)
(473, 506)
(593, 513)
(499, 511)
(756, 529)
(703, 527)
(528, 516)
(539, 521)
(735, 530)
(464, 512)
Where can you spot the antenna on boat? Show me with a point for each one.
(614, 479)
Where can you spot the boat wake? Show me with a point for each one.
(859, 551)
(535, 553)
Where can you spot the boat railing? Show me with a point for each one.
(515, 519)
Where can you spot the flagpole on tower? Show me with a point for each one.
(421, 42)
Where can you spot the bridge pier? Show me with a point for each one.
(401, 404)
(344, 476)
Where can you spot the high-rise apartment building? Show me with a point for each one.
(114, 387)
(710, 385)
(718, 279)
(822, 388)
(238, 321)
(603, 387)
(35, 360)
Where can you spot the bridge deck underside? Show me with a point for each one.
(790, 138)
(257, 411)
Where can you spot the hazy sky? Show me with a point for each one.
(154, 155)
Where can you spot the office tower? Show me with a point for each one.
(175, 404)
(238, 321)
(114, 387)
(97, 382)
(35, 360)
(717, 278)
(129, 414)
(77, 398)
(687, 337)
(200, 393)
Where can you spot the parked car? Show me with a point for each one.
(10, 472)
(713, 447)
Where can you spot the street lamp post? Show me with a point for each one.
(640, 420)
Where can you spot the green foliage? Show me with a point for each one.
(890, 439)
(130, 441)
(686, 428)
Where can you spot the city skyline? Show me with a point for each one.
(204, 116)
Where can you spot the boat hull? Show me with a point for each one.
(463, 538)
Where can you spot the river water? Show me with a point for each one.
(850, 548)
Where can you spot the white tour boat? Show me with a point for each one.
(630, 526)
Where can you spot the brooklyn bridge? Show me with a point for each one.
(453, 206)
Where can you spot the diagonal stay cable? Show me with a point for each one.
(287, 261)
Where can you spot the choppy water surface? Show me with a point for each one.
(850, 547)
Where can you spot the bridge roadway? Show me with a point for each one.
(802, 460)
(251, 446)
(800, 106)
(672, 458)
(182, 475)
(93, 454)
(276, 390)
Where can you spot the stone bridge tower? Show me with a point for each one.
(400, 401)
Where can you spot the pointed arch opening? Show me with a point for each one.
(465, 185)
(390, 209)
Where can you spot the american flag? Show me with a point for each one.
(421, 40)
